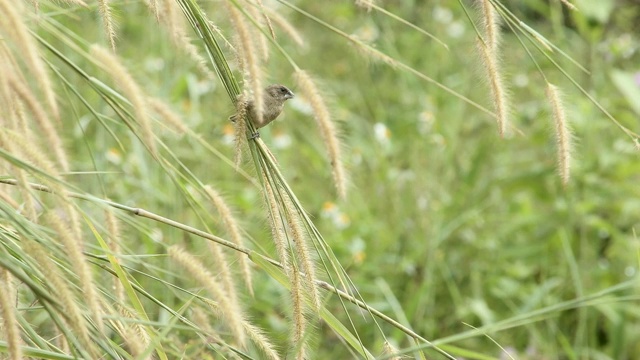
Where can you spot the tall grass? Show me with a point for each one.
(380, 217)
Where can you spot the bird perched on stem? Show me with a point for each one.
(272, 104)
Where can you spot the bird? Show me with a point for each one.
(274, 97)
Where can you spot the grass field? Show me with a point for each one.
(453, 180)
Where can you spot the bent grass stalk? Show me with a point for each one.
(514, 22)
(263, 163)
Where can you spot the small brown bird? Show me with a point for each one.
(272, 103)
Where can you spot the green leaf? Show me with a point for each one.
(599, 10)
(629, 88)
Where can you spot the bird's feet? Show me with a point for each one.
(254, 136)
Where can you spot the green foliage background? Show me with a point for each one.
(446, 224)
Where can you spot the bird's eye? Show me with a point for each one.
(283, 90)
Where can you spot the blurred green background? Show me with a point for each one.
(445, 224)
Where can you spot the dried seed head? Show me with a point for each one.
(562, 132)
(328, 130)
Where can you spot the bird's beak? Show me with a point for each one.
(289, 95)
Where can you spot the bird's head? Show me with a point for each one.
(279, 92)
